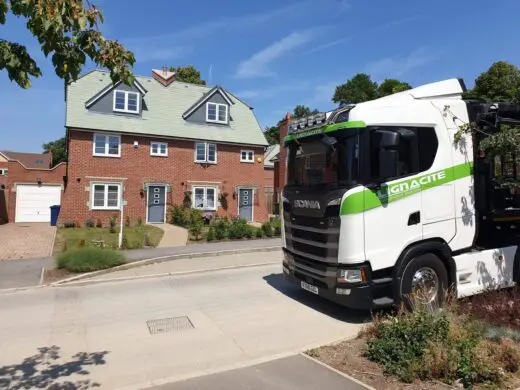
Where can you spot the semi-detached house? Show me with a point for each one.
(159, 142)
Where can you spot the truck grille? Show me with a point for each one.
(313, 238)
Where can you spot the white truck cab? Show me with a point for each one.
(381, 201)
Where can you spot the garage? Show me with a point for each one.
(33, 202)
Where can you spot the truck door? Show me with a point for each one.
(393, 204)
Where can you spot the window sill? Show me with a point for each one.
(105, 209)
(218, 122)
(206, 162)
(107, 155)
(126, 111)
(158, 155)
(247, 162)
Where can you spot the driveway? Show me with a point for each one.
(26, 240)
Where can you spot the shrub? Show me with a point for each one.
(211, 234)
(89, 223)
(179, 215)
(250, 231)
(195, 217)
(127, 221)
(221, 228)
(196, 230)
(89, 259)
(238, 229)
(139, 221)
(428, 346)
(124, 242)
(259, 233)
(113, 222)
(81, 243)
(267, 227)
(277, 226)
(147, 241)
(99, 224)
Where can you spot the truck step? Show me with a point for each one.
(382, 302)
(382, 281)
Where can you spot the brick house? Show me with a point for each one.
(160, 142)
(29, 186)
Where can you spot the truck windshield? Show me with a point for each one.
(324, 160)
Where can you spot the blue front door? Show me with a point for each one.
(156, 204)
(245, 199)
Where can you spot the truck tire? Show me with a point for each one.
(424, 282)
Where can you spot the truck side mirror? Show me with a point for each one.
(388, 139)
(388, 160)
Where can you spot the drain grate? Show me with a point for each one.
(169, 325)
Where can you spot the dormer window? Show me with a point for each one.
(217, 113)
(126, 101)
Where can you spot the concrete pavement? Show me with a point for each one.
(26, 240)
(101, 334)
(26, 273)
(290, 373)
(173, 236)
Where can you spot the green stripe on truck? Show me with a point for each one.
(387, 193)
(326, 129)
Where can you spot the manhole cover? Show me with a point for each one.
(168, 325)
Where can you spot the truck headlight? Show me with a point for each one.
(351, 276)
(334, 202)
(284, 199)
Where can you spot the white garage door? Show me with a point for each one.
(33, 202)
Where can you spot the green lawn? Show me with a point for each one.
(70, 238)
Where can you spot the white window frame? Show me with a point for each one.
(206, 152)
(247, 154)
(205, 199)
(217, 109)
(3, 172)
(138, 106)
(105, 207)
(105, 153)
(159, 144)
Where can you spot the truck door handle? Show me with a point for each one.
(414, 218)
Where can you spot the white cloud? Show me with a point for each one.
(257, 65)
(391, 67)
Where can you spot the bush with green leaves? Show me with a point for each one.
(179, 215)
(439, 346)
(268, 229)
(221, 228)
(210, 236)
(89, 259)
(90, 223)
(259, 233)
(113, 223)
(238, 229)
(277, 226)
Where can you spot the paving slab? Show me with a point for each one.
(173, 236)
(26, 240)
(290, 373)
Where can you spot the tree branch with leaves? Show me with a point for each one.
(67, 30)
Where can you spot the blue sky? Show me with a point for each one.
(276, 54)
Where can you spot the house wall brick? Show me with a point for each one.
(18, 174)
(136, 167)
(3, 178)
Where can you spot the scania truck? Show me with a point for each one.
(383, 201)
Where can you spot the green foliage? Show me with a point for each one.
(81, 243)
(259, 233)
(113, 222)
(125, 244)
(272, 134)
(139, 221)
(147, 241)
(187, 74)
(300, 111)
(429, 346)
(211, 234)
(89, 223)
(391, 86)
(222, 198)
(500, 83)
(89, 259)
(127, 221)
(67, 31)
(268, 229)
(180, 215)
(58, 149)
(359, 88)
(196, 231)
(277, 226)
(238, 229)
(221, 228)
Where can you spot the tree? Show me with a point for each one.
(359, 88)
(58, 149)
(501, 82)
(272, 135)
(300, 111)
(391, 86)
(187, 74)
(68, 32)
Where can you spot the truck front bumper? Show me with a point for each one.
(323, 282)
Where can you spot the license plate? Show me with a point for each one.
(309, 287)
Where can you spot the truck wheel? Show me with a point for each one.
(424, 282)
